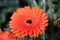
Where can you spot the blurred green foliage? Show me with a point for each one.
(51, 7)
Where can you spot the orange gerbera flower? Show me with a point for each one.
(28, 21)
(6, 35)
(1, 37)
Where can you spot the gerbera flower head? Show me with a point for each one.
(1, 37)
(8, 36)
(28, 21)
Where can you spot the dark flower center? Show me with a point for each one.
(29, 21)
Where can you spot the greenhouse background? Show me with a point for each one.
(51, 7)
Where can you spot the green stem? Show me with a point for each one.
(31, 38)
(44, 3)
(43, 36)
(32, 3)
